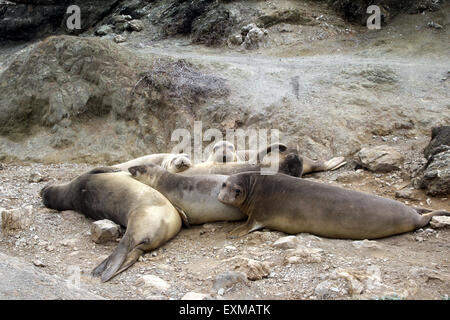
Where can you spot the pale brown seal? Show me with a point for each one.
(172, 162)
(108, 193)
(292, 205)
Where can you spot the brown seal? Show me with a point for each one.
(108, 193)
(292, 205)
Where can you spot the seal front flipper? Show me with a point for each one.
(103, 170)
(242, 230)
(334, 164)
(183, 216)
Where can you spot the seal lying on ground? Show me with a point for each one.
(291, 205)
(108, 193)
(288, 163)
(224, 151)
(196, 196)
(172, 162)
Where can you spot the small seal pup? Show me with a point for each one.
(195, 196)
(108, 193)
(172, 162)
(291, 205)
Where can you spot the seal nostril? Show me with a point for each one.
(224, 159)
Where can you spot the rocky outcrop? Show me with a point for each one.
(355, 10)
(434, 176)
(50, 91)
(27, 19)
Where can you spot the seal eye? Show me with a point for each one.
(238, 192)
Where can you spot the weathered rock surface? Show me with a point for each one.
(196, 296)
(29, 19)
(103, 231)
(153, 283)
(67, 80)
(20, 280)
(380, 159)
(253, 269)
(15, 220)
(440, 222)
(434, 176)
(228, 279)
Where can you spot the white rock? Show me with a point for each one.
(289, 242)
(253, 269)
(440, 222)
(304, 254)
(154, 282)
(380, 158)
(195, 296)
(103, 231)
(367, 244)
(17, 219)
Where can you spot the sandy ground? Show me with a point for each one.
(415, 265)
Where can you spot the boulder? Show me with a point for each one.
(15, 220)
(289, 242)
(103, 231)
(440, 222)
(380, 158)
(153, 283)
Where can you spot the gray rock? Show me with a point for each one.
(105, 230)
(154, 283)
(380, 159)
(440, 222)
(104, 30)
(289, 242)
(196, 296)
(228, 279)
(136, 25)
(119, 38)
(120, 19)
(20, 280)
(15, 220)
(406, 194)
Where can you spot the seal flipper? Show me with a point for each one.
(334, 164)
(243, 229)
(183, 216)
(426, 217)
(131, 259)
(103, 170)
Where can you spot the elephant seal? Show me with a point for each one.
(291, 205)
(108, 193)
(224, 151)
(172, 162)
(309, 165)
(196, 196)
(289, 163)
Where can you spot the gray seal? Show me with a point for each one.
(292, 205)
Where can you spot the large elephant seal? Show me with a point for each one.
(172, 162)
(108, 193)
(291, 205)
(196, 196)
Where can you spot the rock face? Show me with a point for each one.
(434, 176)
(103, 231)
(355, 10)
(17, 219)
(20, 280)
(380, 159)
(28, 19)
(67, 80)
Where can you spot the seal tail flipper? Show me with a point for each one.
(108, 268)
(243, 229)
(131, 259)
(426, 217)
(334, 163)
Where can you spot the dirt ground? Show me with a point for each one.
(415, 265)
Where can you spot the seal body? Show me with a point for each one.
(196, 196)
(291, 205)
(108, 193)
(172, 162)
